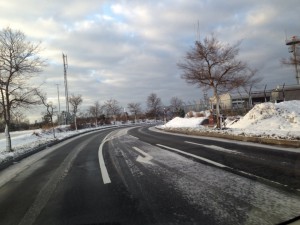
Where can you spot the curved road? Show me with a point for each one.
(137, 176)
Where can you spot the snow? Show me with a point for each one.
(272, 120)
(26, 141)
(192, 120)
(185, 122)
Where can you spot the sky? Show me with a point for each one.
(126, 50)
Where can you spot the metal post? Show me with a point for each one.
(65, 60)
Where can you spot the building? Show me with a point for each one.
(285, 93)
(233, 102)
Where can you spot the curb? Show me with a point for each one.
(260, 140)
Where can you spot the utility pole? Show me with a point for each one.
(65, 60)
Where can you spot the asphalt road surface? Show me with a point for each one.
(137, 176)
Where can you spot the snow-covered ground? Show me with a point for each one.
(25, 141)
(271, 120)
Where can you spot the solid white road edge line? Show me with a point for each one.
(194, 156)
(104, 173)
(145, 159)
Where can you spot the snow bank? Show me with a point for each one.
(269, 120)
(192, 122)
(269, 116)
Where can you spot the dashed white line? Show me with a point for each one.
(226, 167)
(194, 156)
(214, 147)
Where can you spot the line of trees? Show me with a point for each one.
(111, 111)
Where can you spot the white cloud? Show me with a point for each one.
(138, 43)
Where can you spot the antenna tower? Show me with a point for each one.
(293, 44)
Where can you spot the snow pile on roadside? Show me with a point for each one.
(270, 116)
(193, 122)
(276, 120)
(266, 120)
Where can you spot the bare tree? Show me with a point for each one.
(134, 108)
(212, 64)
(49, 109)
(176, 104)
(112, 108)
(154, 105)
(75, 101)
(19, 61)
(18, 117)
(95, 111)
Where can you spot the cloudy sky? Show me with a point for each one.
(127, 49)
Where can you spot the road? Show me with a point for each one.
(137, 176)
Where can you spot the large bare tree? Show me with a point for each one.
(75, 101)
(212, 64)
(135, 109)
(19, 61)
(154, 105)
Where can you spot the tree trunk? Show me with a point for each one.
(8, 139)
(53, 129)
(217, 108)
(75, 120)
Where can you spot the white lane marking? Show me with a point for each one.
(214, 147)
(108, 137)
(223, 166)
(194, 156)
(145, 159)
(104, 173)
